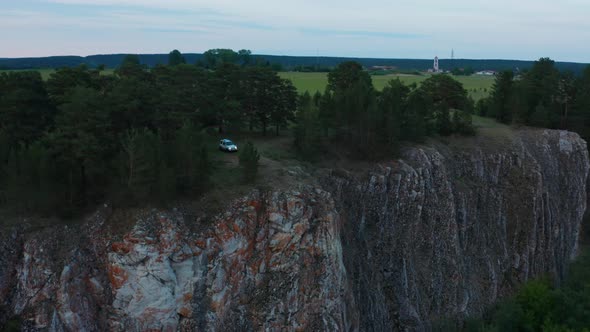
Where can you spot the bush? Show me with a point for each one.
(12, 325)
(249, 158)
(540, 307)
(540, 117)
(462, 123)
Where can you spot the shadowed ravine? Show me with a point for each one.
(442, 233)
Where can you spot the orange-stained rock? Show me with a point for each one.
(117, 276)
(185, 312)
(256, 204)
(201, 243)
(299, 229)
(120, 247)
(280, 241)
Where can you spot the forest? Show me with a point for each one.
(82, 137)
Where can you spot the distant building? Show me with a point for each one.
(486, 73)
(436, 68)
(376, 68)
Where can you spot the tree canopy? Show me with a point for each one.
(542, 97)
(175, 58)
(370, 123)
(82, 137)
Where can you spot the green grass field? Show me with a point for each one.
(477, 86)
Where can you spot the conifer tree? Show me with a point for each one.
(307, 129)
(190, 160)
(175, 58)
(139, 162)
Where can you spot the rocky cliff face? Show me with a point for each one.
(441, 233)
(445, 232)
(272, 261)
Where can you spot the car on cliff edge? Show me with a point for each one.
(227, 145)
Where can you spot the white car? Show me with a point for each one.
(227, 145)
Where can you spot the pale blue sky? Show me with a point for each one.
(508, 29)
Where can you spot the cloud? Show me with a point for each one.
(357, 33)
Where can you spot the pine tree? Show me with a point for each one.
(417, 118)
(541, 117)
(580, 116)
(28, 180)
(308, 128)
(175, 58)
(284, 106)
(25, 110)
(81, 144)
(443, 120)
(139, 162)
(393, 104)
(190, 161)
(500, 97)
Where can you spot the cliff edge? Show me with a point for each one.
(441, 233)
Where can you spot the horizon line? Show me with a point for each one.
(288, 55)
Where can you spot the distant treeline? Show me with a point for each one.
(307, 63)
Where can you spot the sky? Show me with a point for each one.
(474, 29)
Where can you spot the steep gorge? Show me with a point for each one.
(443, 232)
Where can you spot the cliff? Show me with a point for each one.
(445, 232)
(441, 233)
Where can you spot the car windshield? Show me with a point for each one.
(228, 142)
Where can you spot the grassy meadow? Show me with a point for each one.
(477, 86)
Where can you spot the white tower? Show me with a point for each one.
(436, 68)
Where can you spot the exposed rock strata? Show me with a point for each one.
(272, 262)
(443, 232)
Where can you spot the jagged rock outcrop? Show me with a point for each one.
(273, 261)
(441, 233)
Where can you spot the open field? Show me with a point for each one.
(477, 86)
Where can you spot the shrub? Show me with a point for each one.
(462, 123)
(249, 158)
